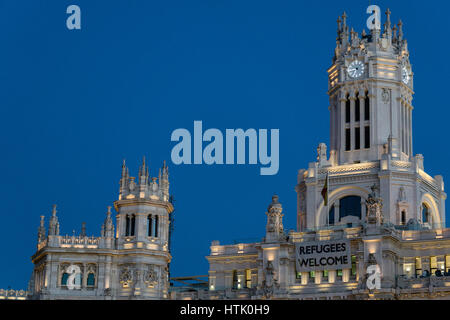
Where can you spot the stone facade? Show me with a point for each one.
(130, 262)
(371, 192)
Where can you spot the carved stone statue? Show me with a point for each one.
(374, 207)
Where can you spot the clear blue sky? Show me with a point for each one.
(75, 103)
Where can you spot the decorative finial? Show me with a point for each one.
(54, 210)
(400, 30)
(109, 210)
(387, 25)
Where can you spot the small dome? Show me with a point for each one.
(275, 203)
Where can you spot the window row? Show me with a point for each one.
(152, 225)
(427, 266)
(242, 281)
(325, 276)
(357, 138)
(357, 114)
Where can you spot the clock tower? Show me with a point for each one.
(370, 90)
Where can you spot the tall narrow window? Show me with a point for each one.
(353, 265)
(347, 140)
(425, 213)
(64, 278)
(235, 279)
(127, 225)
(91, 279)
(367, 108)
(433, 265)
(133, 223)
(149, 225)
(331, 216)
(357, 139)
(248, 278)
(156, 226)
(357, 111)
(347, 110)
(367, 137)
(403, 218)
(418, 267)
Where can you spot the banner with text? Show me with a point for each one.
(322, 255)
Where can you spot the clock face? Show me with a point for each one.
(405, 75)
(356, 69)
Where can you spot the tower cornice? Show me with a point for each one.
(137, 202)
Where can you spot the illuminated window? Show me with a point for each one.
(312, 274)
(298, 275)
(339, 274)
(325, 275)
(418, 267)
(433, 265)
(248, 278)
(353, 265)
(408, 270)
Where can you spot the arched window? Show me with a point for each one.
(91, 279)
(403, 218)
(149, 225)
(133, 223)
(347, 109)
(357, 111)
(156, 226)
(367, 107)
(331, 216)
(64, 278)
(425, 213)
(127, 226)
(350, 206)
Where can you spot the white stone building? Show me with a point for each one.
(368, 205)
(129, 263)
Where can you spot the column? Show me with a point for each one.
(363, 210)
(410, 133)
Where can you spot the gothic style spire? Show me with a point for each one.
(53, 228)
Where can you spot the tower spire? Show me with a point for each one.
(387, 25)
(400, 30)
